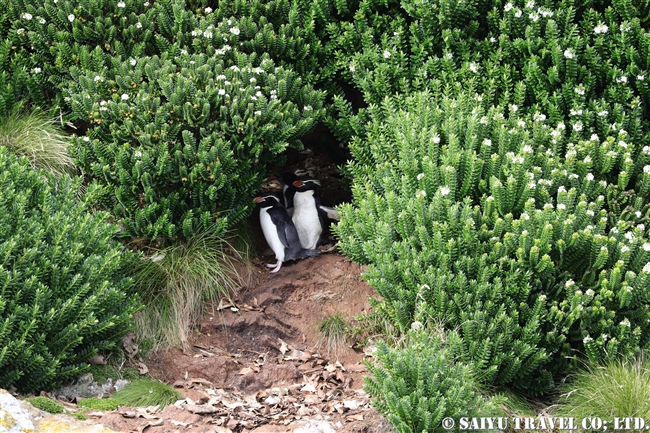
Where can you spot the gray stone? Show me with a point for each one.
(17, 416)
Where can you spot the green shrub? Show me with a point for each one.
(416, 387)
(46, 404)
(62, 297)
(46, 38)
(147, 392)
(618, 389)
(101, 373)
(481, 221)
(183, 141)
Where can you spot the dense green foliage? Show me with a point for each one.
(62, 296)
(483, 232)
(419, 386)
(509, 199)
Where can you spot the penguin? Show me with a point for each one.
(289, 191)
(308, 217)
(280, 232)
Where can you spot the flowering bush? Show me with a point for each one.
(497, 226)
(182, 141)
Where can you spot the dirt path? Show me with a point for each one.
(257, 367)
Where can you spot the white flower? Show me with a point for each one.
(640, 77)
(138, 25)
(133, 62)
(533, 17)
(420, 176)
(518, 13)
(221, 77)
(138, 154)
(146, 4)
(258, 113)
(421, 194)
(587, 340)
(71, 17)
(195, 33)
(37, 70)
(601, 28)
(229, 22)
(444, 191)
(568, 54)
(493, 40)
(307, 108)
(590, 176)
(27, 16)
(561, 206)
(508, 7)
(124, 97)
(208, 10)
(483, 121)
(528, 149)
(530, 4)
(555, 133)
(234, 30)
(449, 55)
(590, 292)
(629, 236)
(625, 27)
(183, 51)
(625, 249)
(86, 139)
(603, 113)
(577, 126)
(514, 108)
(42, 20)
(386, 54)
(121, 4)
(20, 31)
(222, 91)
(473, 68)
(539, 117)
(579, 90)
(575, 112)
(436, 140)
(487, 142)
(622, 144)
(625, 322)
(102, 103)
(594, 137)
(623, 79)
(561, 188)
(646, 268)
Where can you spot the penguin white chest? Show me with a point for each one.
(271, 235)
(305, 217)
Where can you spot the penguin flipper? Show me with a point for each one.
(330, 212)
(282, 221)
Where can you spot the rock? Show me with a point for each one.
(18, 416)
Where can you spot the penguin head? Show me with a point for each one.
(267, 200)
(287, 177)
(306, 184)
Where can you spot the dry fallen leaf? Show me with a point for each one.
(284, 347)
(199, 409)
(356, 417)
(96, 414)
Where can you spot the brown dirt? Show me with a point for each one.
(257, 366)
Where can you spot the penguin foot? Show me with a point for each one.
(276, 267)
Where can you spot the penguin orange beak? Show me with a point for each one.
(297, 183)
(258, 199)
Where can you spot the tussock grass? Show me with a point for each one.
(334, 333)
(175, 283)
(146, 392)
(616, 389)
(39, 138)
